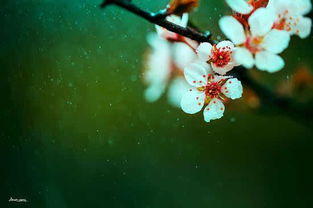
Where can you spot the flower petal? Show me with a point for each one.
(304, 26)
(192, 101)
(244, 57)
(176, 91)
(240, 6)
(158, 61)
(232, 29)
(267, 61)
(280, 6)
(232, 88)
(261, 21)
(184, 20)
(225, 44)
(166, 34)
(304, 6)
(154, 92)
(204, 51)
(276, 41)
(196, 75)
(214, 110)
(183, 55)
(223, 70)
(181, 21)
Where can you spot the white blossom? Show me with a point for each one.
(260, 45)
(240, 6)
(164, 69)
(171, 36)
(290, 16)
(220, 56)
(208, 90)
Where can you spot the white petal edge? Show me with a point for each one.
(305, 6)
(244, 57)
(204, 51)
(232, 29)
(261, 21)
(196, 75)
(232, 89)
(223, 70)
(183, 55)
(154, 92)
(303, 28)
(184, 20)
(225, 43)
(270, 62)
(192, 101)
(276, 41)
(240, 6)
(178, 87)
(215, 110)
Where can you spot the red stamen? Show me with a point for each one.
(220, 56)
(213, 90)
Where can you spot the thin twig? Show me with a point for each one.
(159, 19)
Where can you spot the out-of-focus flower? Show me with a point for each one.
(220, 56)
(260, 44)
(299, 84)
(208, 90)
(303, 77)
(171, 36)
(179, 7)
(240, 6)
(290, 16)
(251, 98)
(246, 7)
(164, 68)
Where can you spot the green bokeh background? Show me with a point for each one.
(76, 131)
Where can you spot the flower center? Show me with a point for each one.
(213, 90)
(253, 44)
(221, 56)
(258, 3)
(285, 22)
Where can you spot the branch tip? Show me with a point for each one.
(106, 3)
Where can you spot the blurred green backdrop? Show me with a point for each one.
(76, 131)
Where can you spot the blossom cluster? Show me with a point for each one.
(196, 74)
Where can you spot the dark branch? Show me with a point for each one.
(159, 19)
(271, 100)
